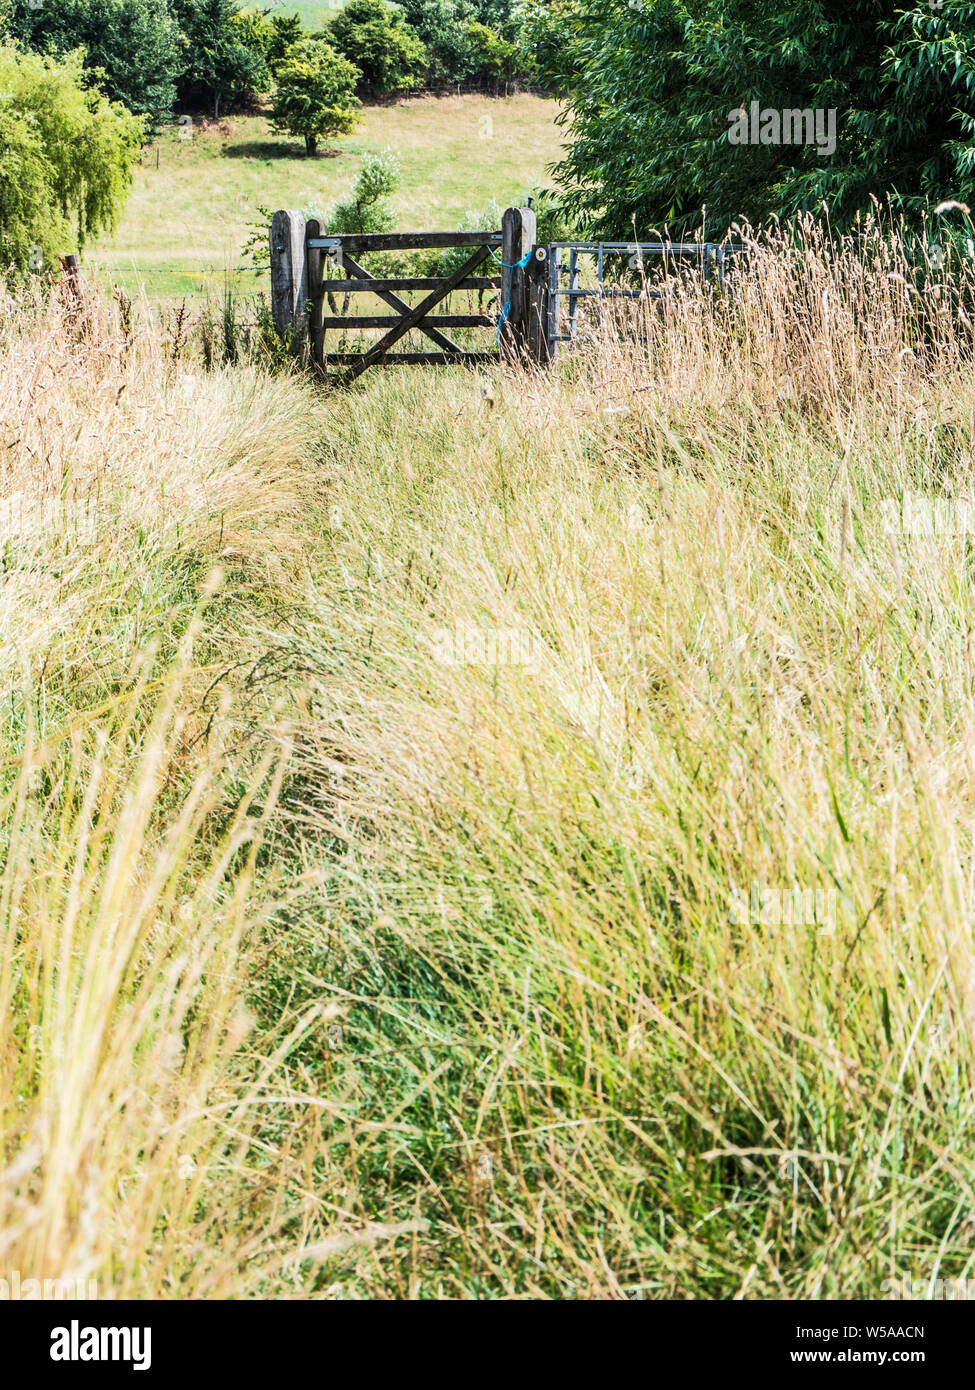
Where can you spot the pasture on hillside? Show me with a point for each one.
(314, 14)
(188, 217)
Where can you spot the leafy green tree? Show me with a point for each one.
(655, 85)
(466, 40)
(442, 25)
(66, 158)
(223, 53)
(374, 36)
(133, 45)
(31, 235)
(286, 31)
(540, 31)
(315, 96)
(499, 15)
(493, 57)
(256, 30)
(368, 209)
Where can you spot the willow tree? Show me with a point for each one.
(66, 158)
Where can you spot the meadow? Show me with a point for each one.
(190, 214)
(314, 14)
(388, 772)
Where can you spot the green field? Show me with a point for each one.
(196, 191)
(314, 14)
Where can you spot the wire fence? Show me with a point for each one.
(115, 268)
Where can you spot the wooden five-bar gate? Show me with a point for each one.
(422, 316)
(308, 268)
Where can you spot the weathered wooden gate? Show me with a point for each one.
(308, 266)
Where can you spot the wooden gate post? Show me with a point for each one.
(314, 271)
(517, 243)
(72, 266)
(539, 347)
(289, 281)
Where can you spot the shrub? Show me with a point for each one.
(368, 208)
(554, 219)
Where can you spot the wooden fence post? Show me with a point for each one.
(71, 285)
(314, 270)
(289, 279)
(517, 241)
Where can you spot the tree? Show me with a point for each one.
(492, 56)
(223, 54)
(374, 36)
(368, 208)
(655, 87)
(286, 31)
(496, 14)
(315, 95)
(442, 25)
(30, 234)
(132, 45)
(66, 158)
(541, 29)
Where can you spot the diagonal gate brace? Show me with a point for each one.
(394, 302)
(412, 318)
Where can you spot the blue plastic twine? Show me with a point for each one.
(518, 265)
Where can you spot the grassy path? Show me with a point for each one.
(497, 835)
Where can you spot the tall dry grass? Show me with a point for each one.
(707, 660)
(157, 532)
(379, 922)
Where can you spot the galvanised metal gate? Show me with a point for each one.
(564, 271)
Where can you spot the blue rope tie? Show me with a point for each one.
(518, 265)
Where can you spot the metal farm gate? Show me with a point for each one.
(566, 260)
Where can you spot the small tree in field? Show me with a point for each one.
(315, 95)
